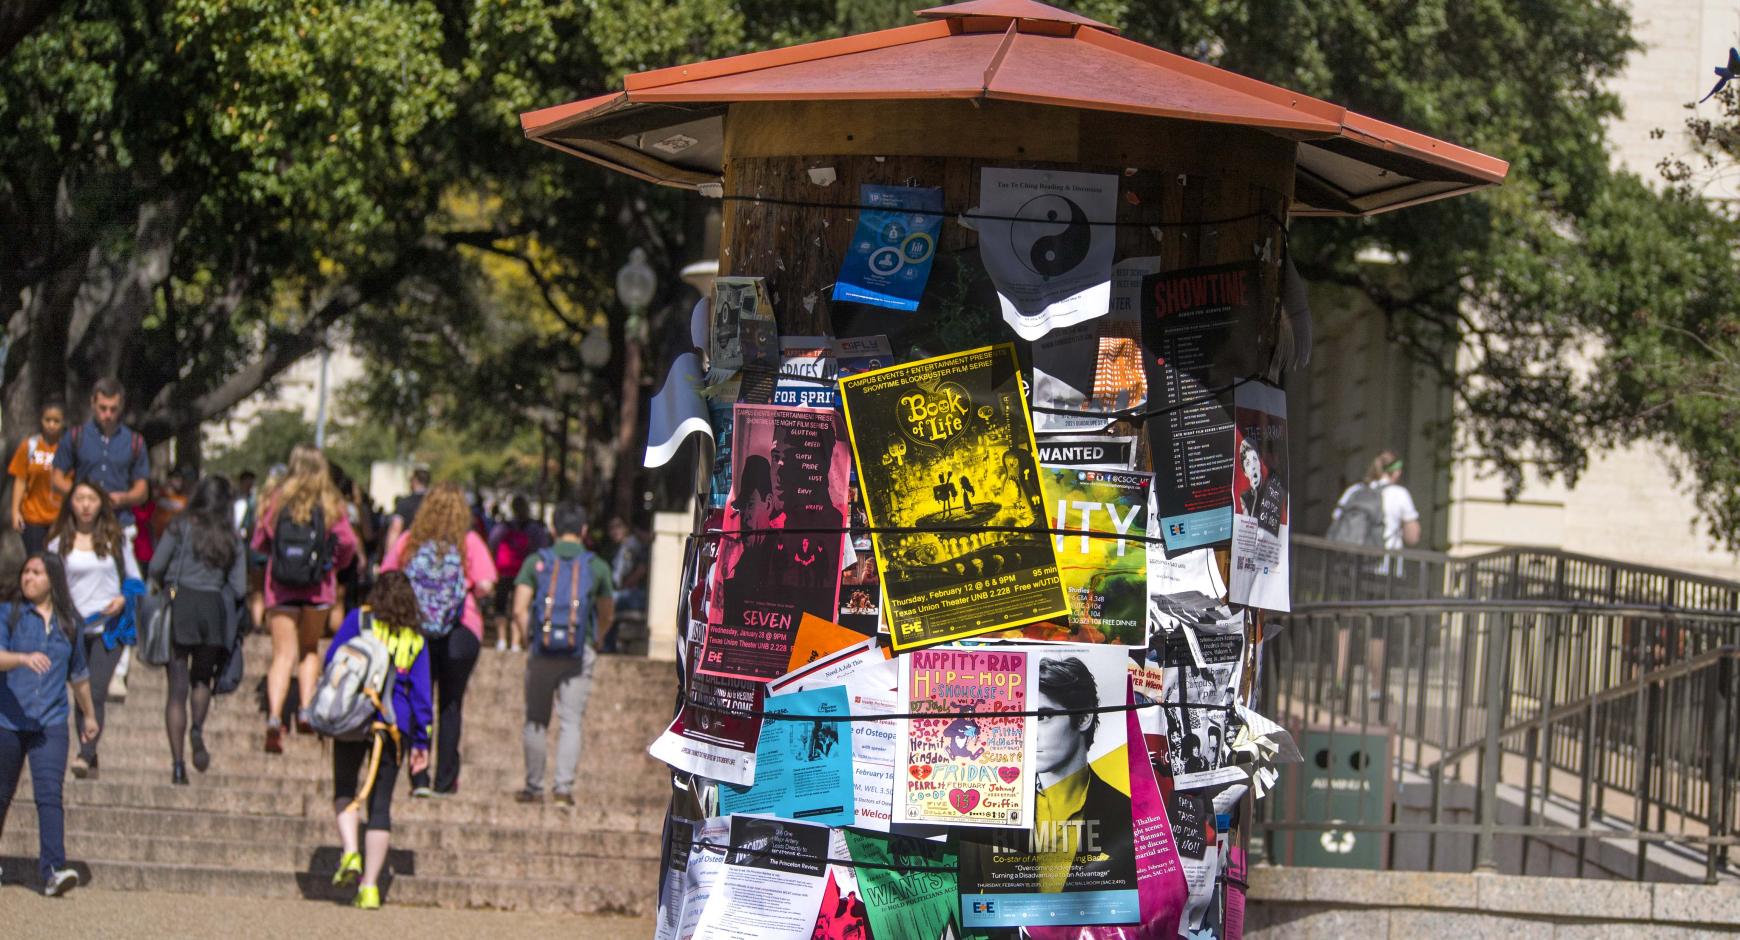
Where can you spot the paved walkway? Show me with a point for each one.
(140, 916)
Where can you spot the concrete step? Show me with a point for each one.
(580, 895)
(320, 858)
(587, 833)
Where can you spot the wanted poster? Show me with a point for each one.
(1088, 451)
(1260, 575)
(1046, 239)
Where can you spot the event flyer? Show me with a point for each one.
(1259, 575)
(1104, 579)
(1095, 365)
(1046, 238)
(789, 469)
(803, 769)
(1198, 806)
(889, 260)
(909, 885)
(680, 913)
(963, 769)
(944, 447)
(771, 887)
(870, 680)
(1199, 671)
(806, 373)
(1189, 319)
(860, 583)
(716, 742)
(1077, 864)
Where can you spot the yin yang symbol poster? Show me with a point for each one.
(1046, 239)
(946, 459)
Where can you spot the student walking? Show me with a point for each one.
(35, 501)
(87, 537)
(563, 596)
(40, 656)
(451, 572)
(106, 452)
(512, 541)
(391, 615)
(204, 566)
(306, 537)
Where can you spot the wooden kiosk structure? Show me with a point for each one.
(1211, 165)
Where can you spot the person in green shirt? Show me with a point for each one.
(562, 602)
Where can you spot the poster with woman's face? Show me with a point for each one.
(1259, 576)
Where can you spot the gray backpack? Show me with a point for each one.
(1361, 521)
(357, 684)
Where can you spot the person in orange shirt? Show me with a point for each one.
(35, 503)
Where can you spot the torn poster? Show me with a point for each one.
(806, 372)
(945, 452)
(1096, 365)
(1077, 863)
(789, 470)
(1199, 676)
(712, 736)
(1260, 575)
(910, 886)
(745, 337)
(1046, 239)
(677, 411)
(1196, 326)
(843, 914)
(959, 769)
(680, 908)
(889, 260)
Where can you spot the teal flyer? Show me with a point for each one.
(889, 261)
(803, 769)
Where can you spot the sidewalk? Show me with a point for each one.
(142, 916)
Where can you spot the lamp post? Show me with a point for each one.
(635, 285)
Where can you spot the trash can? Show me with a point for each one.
(1344, 777)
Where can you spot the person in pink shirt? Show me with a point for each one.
(451, 571)
(306, 537)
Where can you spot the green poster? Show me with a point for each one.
(909, 885)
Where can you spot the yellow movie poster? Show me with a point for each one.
(945, 454)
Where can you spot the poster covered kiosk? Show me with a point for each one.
(998, 500)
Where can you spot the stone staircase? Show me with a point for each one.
(259, 825)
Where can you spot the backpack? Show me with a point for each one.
(511, 551)
(437, 577)
(300, 555)
(1362, 518)
(562, 605)
(356, 686)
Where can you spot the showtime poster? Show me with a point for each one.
(789, 468)
(946, 457)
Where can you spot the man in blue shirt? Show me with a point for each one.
(105, 452)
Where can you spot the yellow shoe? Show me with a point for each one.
(368, 898)
(349, 869)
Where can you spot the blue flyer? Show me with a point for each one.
(889, 261)
(803, 769)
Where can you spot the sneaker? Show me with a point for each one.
(303, 725)
(274, 739)
(528, 796)
(368, 898)
(501, 646)
(564, 800)
(60, 883)
(514, 648)
(349, 869)
(201, 756)
(422, 793)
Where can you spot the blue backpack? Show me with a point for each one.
(437, 576)
(562, 604)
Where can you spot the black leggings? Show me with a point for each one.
(192, 672)
(349, 760)
(102, 662)
(451, 660)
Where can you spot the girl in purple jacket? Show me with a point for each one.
(391, 612)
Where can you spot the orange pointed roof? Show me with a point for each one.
(667, 125)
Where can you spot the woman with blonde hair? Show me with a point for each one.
(451, 571)
(305, 535)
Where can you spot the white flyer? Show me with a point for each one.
(771, 888)
(1046, 238)
(1260, 571)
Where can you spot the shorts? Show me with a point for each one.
(349, 760)
(504, 597)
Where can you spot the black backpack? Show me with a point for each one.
(300, 555)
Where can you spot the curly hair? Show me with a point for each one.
(106, 538)
(442, 520)
(393, 601)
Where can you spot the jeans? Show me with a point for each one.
(47, 752)
(451, 659)
(568, 685)
(102, 662)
